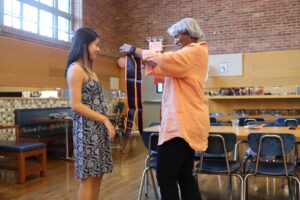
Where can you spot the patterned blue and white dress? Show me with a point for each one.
(92, 147)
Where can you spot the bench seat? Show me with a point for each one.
(14, 146)
(21, 151)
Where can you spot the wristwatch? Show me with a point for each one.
(131, 51)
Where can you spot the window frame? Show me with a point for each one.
(20, 33)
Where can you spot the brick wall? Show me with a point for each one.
(101, 15)
(230, 26)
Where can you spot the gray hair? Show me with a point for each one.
(186, 25)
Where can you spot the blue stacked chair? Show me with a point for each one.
(287, 122)
(155, 123)
(220, 144)
(273, 145)
(150, 141)
(214, 122)
(244, 120)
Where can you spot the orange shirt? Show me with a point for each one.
(184, 108)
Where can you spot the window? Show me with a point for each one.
(48, 18)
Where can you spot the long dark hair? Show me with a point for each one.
(79, 48)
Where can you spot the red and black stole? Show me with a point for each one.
(133, 77)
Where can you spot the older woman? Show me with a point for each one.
(185, 121)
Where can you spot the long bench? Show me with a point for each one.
(32, 130)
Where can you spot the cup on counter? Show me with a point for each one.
(235, 124)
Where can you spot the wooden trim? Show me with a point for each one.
(255, 97)
(13, 126)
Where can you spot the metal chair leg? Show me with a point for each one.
(122, 141)
(154, 184)
(242, 185)
(290, 189)
(245, 190)
(146, 182)
(230, 187)
(296, 179)
(197, 180)
(142, 183)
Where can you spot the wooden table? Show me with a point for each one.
(59, 120)
(266, 118)
(68, 121)
(116, 120)
(242, 132)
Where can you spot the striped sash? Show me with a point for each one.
(133, 77)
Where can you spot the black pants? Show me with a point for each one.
(175, 165)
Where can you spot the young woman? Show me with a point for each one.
(92, 130)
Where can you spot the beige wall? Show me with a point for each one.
(278, 68)
(27, 64)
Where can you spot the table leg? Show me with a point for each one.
(67, 141)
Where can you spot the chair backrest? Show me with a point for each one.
(146, 136)
(216, 145)
(214, 114)
(244, 120)
(256, 123)
(120, 107)
(290, 122)
(259, 119)
(217, 124)
(213, 120)
(153, 124)
(153, 141)
(280, 121)
(271, 143)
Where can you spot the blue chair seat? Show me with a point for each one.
(272, 168)
(197, 156)
(153, 163)
(219, 166)
(150, 141)
(153, 153)
(217, 124)
(13, 146)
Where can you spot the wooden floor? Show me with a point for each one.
(123, 183)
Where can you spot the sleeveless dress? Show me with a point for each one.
(92, 147)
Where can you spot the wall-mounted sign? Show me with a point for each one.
(225, 65)
(156, 46)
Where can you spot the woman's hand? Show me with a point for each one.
(126, 49)
(110, 128)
